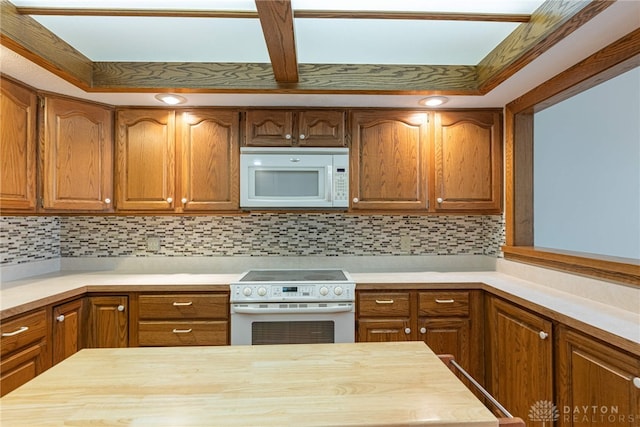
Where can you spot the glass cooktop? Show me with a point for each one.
(294, 276)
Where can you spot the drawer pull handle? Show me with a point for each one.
(182, 304)
(16, 332)
(445, 301)
(182, 331)
(384, 301)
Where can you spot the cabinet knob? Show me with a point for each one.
(169, 199)
(302, 136)
(423, 330)
(636, 382)
(287, 136)
(543, 335)
(356, 200)
(407, 331)
(439, 200)
(60, 318)
(121, 308)
(107, 200)
(184, 200)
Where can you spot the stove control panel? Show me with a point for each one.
(292, 292)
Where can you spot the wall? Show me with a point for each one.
(25, 239)
(587, 170)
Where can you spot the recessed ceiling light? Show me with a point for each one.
(433, 101)
(171, 99)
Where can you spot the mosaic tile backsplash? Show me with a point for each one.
(25, 239)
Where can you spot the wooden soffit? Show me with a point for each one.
(553, 21)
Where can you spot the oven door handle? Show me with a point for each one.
(276, 310)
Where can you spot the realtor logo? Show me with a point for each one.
(544, 411)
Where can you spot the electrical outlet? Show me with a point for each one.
(153, 244)
(405, 243)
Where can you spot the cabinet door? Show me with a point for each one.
(209, 143)
(448, 336)
(468, 161)
(77, 155)
(145, 160)
(320, 128)
(384, 330)
(519, 354)
(597, 384)
(107, 323)
(67, 330)
(269, 128)
(18, 107)
(388, 160)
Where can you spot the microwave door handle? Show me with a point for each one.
(329, 184)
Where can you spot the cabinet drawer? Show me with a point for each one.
(21, 367)
(183, 333)
(384, 304)
(22, 331)
(447, 303)
(184, 306)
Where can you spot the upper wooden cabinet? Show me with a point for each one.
(389, 155)
(467, 161)
(210, 165)
(18, 106)
(311, 128)
(77, 155)
(145, 159)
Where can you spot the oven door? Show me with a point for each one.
(292, 323)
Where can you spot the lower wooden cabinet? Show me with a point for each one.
(596, 384)
(384, 316)
(519, 357)
(67, 330)
(107, 321)
(24, 350)
(182, 319)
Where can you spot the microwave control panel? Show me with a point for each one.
(341, 184)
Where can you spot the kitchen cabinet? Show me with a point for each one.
(67, 329)
(304, 128)
(389, 155)
(596, 383)
(209, 160)
(384, 316)
(182, 319)
(452, 322)
(519, 357)
(107, 321)
(145, 159)
(24, 349)
(18, 107)
(77, 148)
(467, 161)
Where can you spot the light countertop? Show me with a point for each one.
(362, 384)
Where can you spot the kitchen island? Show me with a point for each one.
(362, 384)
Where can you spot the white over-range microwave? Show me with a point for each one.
(284, 177)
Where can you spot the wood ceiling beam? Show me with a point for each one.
(276, 19)
(146, 13)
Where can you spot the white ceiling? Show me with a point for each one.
(343, 41)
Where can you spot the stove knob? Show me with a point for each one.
(337, 290)
(246, 292)
(324, 291)
(262, 291)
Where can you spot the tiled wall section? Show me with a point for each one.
(31, 238)
(261, 234)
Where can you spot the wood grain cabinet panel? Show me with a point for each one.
(107, 321)
(67, 330)
(145, 159)
(77, 155)
(389, 155)
(468, 161)
(597, 384)
(269, 128)
(24, 350)
(18, 110)
(210, 165)
(320, 128)
(519, 352)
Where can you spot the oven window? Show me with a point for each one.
(287, 183)
(292, 332)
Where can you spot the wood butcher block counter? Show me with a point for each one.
(362, 384)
